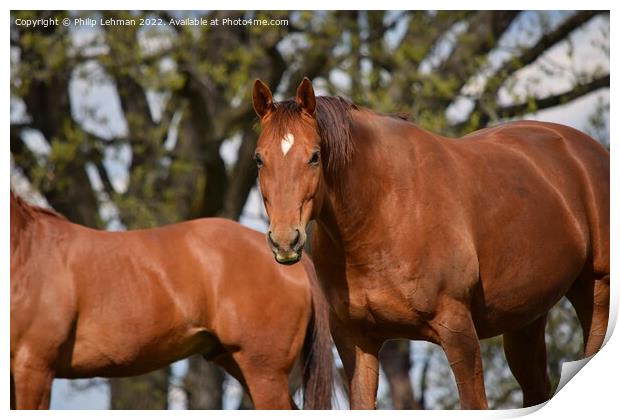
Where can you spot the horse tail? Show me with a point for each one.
(317, 349)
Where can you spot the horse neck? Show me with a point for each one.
(348, 198)
(384, 149)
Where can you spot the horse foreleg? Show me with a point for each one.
(526, 354)
(267, 384)
(360, 358)
(457, 336)
(33, 385)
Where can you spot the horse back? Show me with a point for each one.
(574, 164)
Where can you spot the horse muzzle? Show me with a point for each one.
(287, 249)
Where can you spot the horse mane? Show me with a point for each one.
(333, 116)
(32, 211)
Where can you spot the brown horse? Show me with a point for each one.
(423, 237)
(90, 303)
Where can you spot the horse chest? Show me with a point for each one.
(380, 291)
(382, 308)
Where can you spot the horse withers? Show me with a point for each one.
(88, 303)
(420, 236)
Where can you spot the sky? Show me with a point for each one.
(96, 105)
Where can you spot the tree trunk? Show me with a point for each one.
(145, 392)
(246, 402)
(397, 364)
(203, 384)
(243, 178)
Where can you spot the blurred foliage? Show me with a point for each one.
(182, 93)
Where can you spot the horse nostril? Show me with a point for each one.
(295, 240)
(273, 243)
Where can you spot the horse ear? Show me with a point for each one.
(305, 96)
(262, 98)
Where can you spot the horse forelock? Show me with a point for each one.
(333, 122)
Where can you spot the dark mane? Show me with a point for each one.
(33, 211)
(333, 117)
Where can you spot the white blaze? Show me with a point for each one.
(287, 143)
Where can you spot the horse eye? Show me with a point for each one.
(314, 158)
(259, 160)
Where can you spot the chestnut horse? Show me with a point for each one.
(90, 303)
(427, 238)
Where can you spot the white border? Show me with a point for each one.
(593, 393)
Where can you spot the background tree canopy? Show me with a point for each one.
(137, 126)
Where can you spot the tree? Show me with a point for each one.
(184, 91)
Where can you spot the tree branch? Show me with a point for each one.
(378, 32)
(485, 30)
(105, 179)
(528, 56)
(514, 110)
(317, 57)
(424, 32)
(536, 104)
(531, 54)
